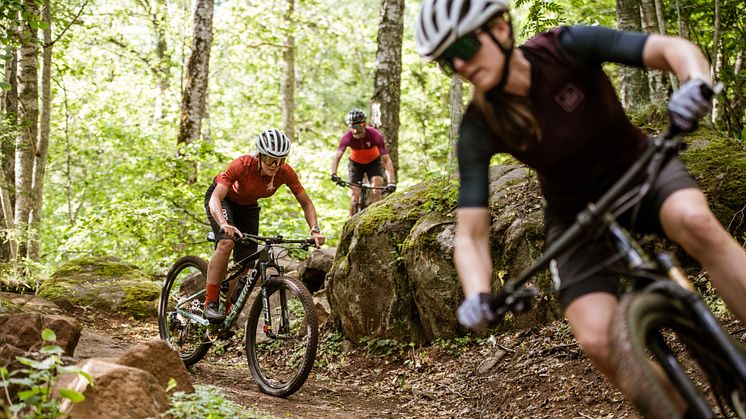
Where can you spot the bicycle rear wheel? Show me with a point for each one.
(185, 279)
(280, 359)
(637, 333)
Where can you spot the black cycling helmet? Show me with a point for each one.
(355, 116)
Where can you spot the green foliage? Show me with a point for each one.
(382, 346)
(329, 349)
(207, 402)
(34, 383)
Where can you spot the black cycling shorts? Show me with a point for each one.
(358, 170)
(244, 217)
(576, 271)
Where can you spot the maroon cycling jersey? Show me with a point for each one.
(587, 142)
(364, 150)
(246, 186)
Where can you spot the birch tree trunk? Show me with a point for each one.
(633, 90)
(42, 147)
(657, 80)
(28, 118)
(193, 98)
(456, 102)
(717, 52)
(288, 74)
(386, 98)
(682, 18)
(9, 112)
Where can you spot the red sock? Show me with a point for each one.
(212, 292)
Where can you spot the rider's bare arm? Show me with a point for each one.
(676, 55)
(471, 250)
(388, 166)
(309, 211)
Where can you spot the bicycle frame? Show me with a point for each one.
(266, 259)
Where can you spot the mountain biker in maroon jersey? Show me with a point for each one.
(549, 104)
(232, 208)
(368, 156)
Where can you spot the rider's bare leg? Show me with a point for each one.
(354, 199)
(376, 181)
(219, 262)
(687, 220)
(590, 317)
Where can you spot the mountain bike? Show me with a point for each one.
(280, 349)
(362, 202)
(659, 312)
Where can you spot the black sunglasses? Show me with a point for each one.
(464, 48)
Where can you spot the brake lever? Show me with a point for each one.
(515, 300)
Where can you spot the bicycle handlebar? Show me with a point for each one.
(279, 239)
(345, 183)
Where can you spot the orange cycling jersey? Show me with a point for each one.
(246, 186)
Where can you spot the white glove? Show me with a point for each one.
(690, 103)
(475, 312)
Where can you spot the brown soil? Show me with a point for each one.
(538, 374)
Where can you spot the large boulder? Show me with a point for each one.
(105, 284)
(157, 358)
(393, 274)
(118, 391)
(23, 331)
(24, 303)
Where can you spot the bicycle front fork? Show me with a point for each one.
(284, 317)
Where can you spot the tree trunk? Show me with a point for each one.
(682, 18)
(42, 147)
(657, 80)
(717, 51)
(28, 117)
(456, 101)
(9, 112)
(195, 87)
(387, 79)
(163, 66)
(633, 89)
(288, 74)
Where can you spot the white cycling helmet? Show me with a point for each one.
(441, 22)
(273, 142)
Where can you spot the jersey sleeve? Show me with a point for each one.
(291, 179)
(597, 44)
(474, 153)
(344, 142)
(231, 174)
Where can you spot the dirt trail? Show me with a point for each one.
(538, 374)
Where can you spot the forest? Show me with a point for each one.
(116, 115)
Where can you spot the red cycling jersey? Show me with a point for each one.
(246, 186)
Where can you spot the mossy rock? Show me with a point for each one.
(103, 283)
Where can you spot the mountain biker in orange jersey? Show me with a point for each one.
(367, 153)
(549, 104)
(232, 208)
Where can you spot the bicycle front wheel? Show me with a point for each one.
(703, 375)
(281, 354)
(184, 288)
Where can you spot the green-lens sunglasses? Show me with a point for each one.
(464, 48)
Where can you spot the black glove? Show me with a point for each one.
(390, 188)
(335, 178)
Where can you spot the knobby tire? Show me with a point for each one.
(637, 318)
(186, 337)
(281, 365)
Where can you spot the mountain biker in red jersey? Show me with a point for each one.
(232, 208)
(549, 104)
(368, 156)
